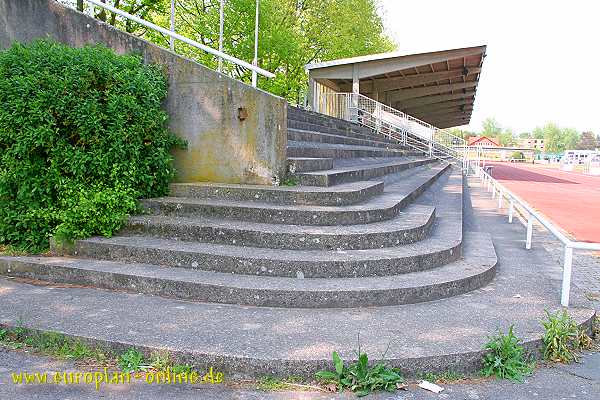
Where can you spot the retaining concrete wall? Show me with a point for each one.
(235, 133)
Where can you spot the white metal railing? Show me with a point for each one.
(493, 186)
(388, 121)
(184, 39)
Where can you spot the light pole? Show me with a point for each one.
(255, 60)
(172, 39)
(221, 20)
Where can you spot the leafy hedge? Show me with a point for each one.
(82, 136)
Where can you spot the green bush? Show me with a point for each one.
(82, 136)
(517, 155)
(563, 338)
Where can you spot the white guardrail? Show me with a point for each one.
(395, 124)
(184, 39)
(494, 186)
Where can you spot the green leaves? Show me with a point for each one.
(132, 360)
(82, 136)
(562, 337)
(359, 377)
(505, 358)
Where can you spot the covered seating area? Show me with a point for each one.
(436, 87)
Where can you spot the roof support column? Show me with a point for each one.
(312, 93)
(355, 93)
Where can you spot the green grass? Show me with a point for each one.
(51, 344)
(290, 180)
(444, 377)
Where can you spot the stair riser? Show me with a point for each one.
(308, 165)
(344, 153)
(320, 138)
(288, 241)
(327, 180)
(196, 291)
(278, 196)
(247, 265)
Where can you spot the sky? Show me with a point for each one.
(543, 57)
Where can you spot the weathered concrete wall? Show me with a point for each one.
(203, 105)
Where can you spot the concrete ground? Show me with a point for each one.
(570, 199)
(581, 381)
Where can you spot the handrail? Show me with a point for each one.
(493, 185)
(191, 42)
(413, 132)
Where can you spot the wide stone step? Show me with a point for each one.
(353, 130)
(299, 164)
(443, 245)
(359, 171)
(474, 271)
(411, 225)
(340, 195)
(380, 208)
(326, 150)
(319, 137)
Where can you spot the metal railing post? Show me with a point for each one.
(500, 199)
(171, 38)
(529, 231)
(493, 192)
(566, 281)
(510, 211)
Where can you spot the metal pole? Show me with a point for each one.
(493, 192)
(510, 212)
(500, 199)
(529, 232)
(172, 39)
(566, 281)
(221, 25)
(255, 61)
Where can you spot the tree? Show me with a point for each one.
(491, 128)
(553, 142)
(292, 34)
(570, 138)
(506, 138)
(587, 141)
(538, 133)
(525, 135)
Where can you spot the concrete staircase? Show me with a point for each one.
(371, 231)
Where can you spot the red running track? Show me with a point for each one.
(570, 200)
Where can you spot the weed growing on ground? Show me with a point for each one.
(563, 338)
(273, 384)
(359, 377)
(132, 361)
(50, 344)
(444, 377)
(505, 358)
(290, 180)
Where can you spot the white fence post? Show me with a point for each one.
(493, 192)
(529, 231)
(566, 281)
(510, 211)
(500, 199)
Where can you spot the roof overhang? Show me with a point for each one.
(438, 87)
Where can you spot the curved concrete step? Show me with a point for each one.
(395, 197)
(299, 135)
(359, 171)
(299, 164)
(442, 247)
(474, 271)
(340, 195)
(326, 150)
(411, 225)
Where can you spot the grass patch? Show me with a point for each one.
(51, 344)
(505, 358)
(273, 384)
(289, 180)
(444, 377)
(563, 338)
(361, 378)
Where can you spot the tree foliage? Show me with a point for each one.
(82, 136)
(588, 141)
(292, 34)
